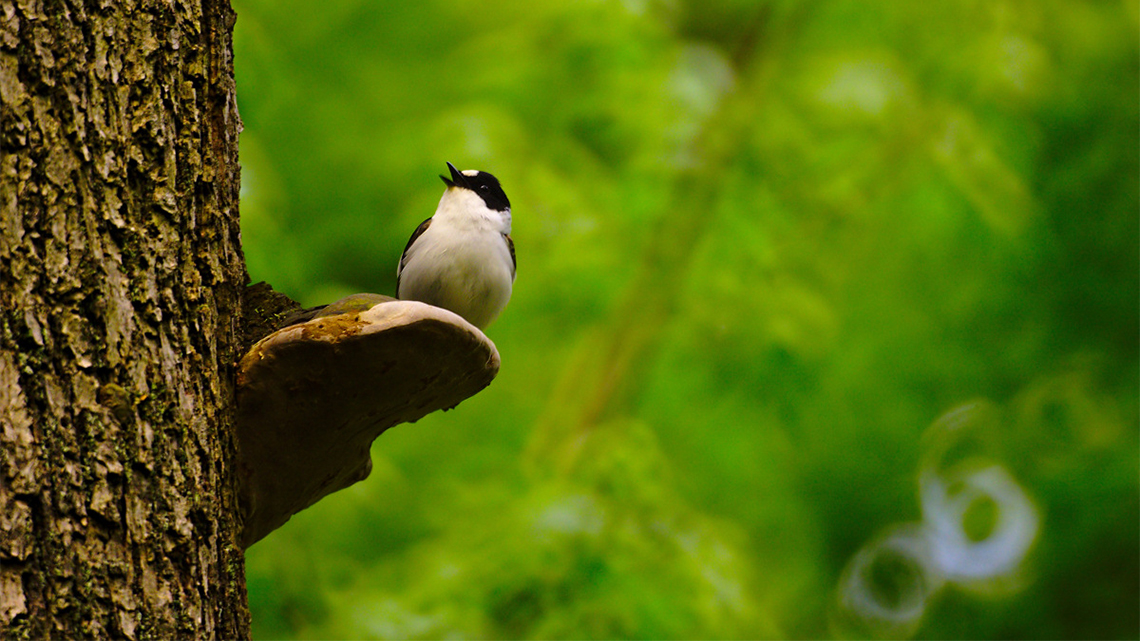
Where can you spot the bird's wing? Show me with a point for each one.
(404, 257)
(511, 246)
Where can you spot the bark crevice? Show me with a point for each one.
(119, 316)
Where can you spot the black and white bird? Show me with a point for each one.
(462, 258)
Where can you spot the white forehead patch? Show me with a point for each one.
(470, 172)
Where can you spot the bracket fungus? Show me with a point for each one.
(313, 396)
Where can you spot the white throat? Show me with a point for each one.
(463, 209)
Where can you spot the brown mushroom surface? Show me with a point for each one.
(313, 396)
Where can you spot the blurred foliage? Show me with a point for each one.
(762, 246)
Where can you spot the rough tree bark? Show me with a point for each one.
(120, 281)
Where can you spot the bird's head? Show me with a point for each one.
(480, 183)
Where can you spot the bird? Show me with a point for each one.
(462, 258)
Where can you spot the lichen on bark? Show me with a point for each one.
(119, 316)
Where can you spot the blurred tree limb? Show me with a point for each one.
(605, 371)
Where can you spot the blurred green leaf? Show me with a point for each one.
(762, 246)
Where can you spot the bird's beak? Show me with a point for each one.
(457, 178)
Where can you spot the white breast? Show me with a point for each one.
(461, 262)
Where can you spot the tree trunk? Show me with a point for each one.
(120, 279)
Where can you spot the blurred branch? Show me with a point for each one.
(605, 373)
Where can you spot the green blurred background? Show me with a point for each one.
(762, 247)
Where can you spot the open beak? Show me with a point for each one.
(457, 178)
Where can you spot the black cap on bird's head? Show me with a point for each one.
(480, 182)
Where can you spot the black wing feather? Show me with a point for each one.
(511, 246)
(404, 257)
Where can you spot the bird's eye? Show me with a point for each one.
(483, 187)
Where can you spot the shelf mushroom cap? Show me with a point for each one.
(313, 396)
